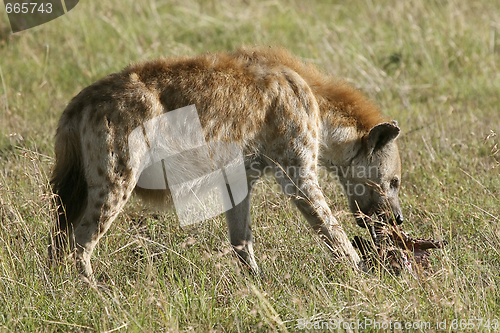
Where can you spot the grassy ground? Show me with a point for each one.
(432, 65)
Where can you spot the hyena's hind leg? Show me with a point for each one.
(104, 203)
(111, 180)
(93, 185)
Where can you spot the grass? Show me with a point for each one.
(432, 65)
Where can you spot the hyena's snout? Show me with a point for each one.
(398, 214)
(394, 214)
(384, 209)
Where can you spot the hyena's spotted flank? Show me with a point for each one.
(279, 111)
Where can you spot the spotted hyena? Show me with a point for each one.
(282, 114)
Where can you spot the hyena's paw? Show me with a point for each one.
(83, 266)
(247, 258)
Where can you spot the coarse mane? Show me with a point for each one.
(333, 95)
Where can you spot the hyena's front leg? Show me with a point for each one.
(302, 186)
(239, 223)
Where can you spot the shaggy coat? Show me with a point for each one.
(281, 112)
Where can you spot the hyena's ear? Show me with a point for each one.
(381, 135)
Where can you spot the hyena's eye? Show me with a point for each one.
(394, 183)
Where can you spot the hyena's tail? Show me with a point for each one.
(69, 186)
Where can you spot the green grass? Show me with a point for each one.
(432, 65)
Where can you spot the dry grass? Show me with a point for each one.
(432, 65)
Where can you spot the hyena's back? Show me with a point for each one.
(243, 98)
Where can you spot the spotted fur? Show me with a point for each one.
(281, 113)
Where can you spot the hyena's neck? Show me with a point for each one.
(339, 144)
(346, 117)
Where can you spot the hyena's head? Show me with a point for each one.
(376, 176)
